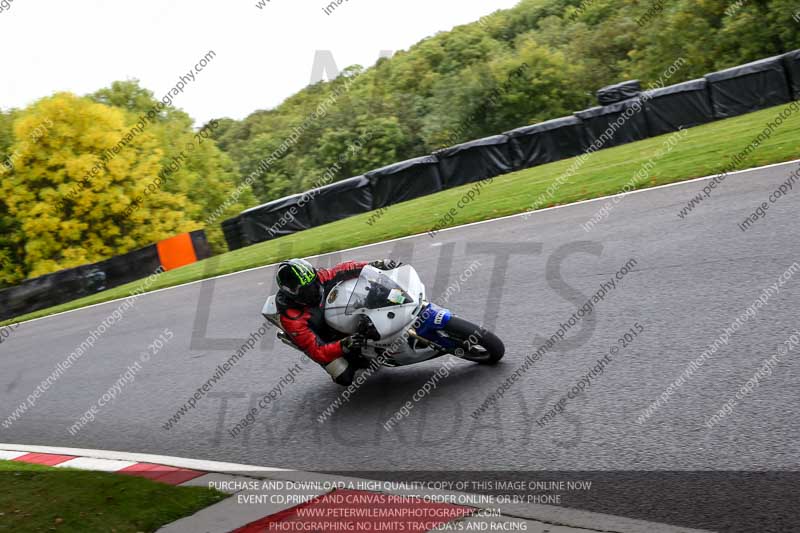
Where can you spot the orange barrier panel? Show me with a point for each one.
(176, 252)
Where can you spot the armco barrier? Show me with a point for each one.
(234, 235)
(340, 200)
(616, 124)
(619, 92)
(683, 105)
(284, 216)
(749, 87)
(404, 181)
(44, 291)
(475, 160)
(202, 249)
(791, 63)
(275, 219)
(70, 284)
(547, 142)
(730, 92)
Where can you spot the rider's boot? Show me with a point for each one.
(341, 371)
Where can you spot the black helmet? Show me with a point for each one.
(299, 280)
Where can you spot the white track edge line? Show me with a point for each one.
(491, 220)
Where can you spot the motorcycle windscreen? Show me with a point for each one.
(375, 290)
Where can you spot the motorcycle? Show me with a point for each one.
(390, 310)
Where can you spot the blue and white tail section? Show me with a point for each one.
(434, 320)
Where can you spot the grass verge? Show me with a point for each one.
(704, 150)
(41, 498)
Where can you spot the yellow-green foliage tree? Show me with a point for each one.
(192, 164)
(8, 259)
(72, 182)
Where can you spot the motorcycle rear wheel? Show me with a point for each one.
(478, 344)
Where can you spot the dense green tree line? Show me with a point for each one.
(458, 85)
(540, 60)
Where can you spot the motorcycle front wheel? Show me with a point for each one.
(477, 344)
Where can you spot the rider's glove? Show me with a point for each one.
(353, 344)
(386, 264)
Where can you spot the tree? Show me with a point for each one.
(78, 167)
(9, 252)
(191, 163)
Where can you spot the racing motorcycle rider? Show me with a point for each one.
(300, 301)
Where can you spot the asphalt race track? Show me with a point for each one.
(692, 278)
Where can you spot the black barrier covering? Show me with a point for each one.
(678, 106)
(277, 218)
(791, 63)
(340, 200)
(548, 141)
(404, 181)
(615, 124)
(123, 269)
(727, 93)
(67, 285)
(234, 236)
(618, 92)
(475, 160)
(749, 87)
(41, 292)
(202, 250)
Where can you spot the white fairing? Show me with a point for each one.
(335, 307)
(388, 321)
